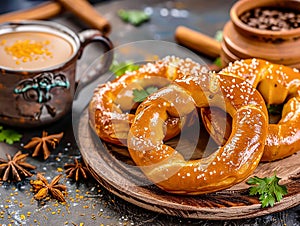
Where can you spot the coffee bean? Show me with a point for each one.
(275, 19)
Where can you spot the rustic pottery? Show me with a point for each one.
(243, 41)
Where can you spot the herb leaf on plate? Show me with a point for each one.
(141, 94)
(275, 109)
(120, 69)
(268, 189)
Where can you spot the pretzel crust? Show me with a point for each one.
(230, 164)
(111, 110)
(278, 84)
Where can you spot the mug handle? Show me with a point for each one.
(91, 36)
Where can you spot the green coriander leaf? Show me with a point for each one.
(121, 68)
(219, 35)
(218, 62)
(275, 109)
(254, 190)
(280, 192)
(254, 180)
(141, 94)
(267, 200)
(151, 89)
(9, 136)
(268, 189)
(135, 17)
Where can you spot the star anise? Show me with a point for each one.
(42, 188)
(41, 144)
(15, 168)
(76, 170)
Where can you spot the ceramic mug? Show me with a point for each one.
(37, 70)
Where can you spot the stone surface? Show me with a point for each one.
(87, 201)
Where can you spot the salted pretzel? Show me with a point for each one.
(111, 110)
(279, 85)
(230, 164)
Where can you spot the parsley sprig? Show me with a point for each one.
(141, 94)
(135, 17)
(268, 189)
(9, 136)
(218, 37)
(275, 109)
(121, 68)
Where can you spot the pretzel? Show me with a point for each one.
(278, 85)
(111, 110)
(230, 164)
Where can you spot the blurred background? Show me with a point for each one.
(13, 5)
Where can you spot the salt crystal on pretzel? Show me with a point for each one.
(111, 110)
(230, 164)
(278, 85)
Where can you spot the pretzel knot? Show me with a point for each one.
(279, 85)
(112, 108)
(230, 164)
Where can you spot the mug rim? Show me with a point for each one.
(59, 28)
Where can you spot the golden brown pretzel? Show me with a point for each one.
(278, 84)
(227, 166)
(111, 110)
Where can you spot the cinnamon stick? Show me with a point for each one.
(198, 41)
(85, 11)
(42, 11)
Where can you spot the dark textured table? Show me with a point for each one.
(87, 202)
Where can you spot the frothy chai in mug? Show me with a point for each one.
(33, 50)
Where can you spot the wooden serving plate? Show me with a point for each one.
(113, 169)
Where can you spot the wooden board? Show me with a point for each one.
(113, 169)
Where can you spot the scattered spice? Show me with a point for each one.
(28, 50)
(42, 188)
(41, 144)
(15, 168)
(59, 170)
(76, 170)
